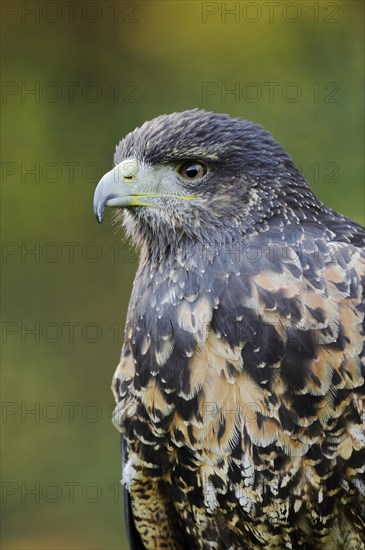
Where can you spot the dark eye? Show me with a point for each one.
(192, 170)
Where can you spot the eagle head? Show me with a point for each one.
(197, 174)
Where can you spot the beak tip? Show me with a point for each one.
(99, 216)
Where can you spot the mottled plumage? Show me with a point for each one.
(240, 389)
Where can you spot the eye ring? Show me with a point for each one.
(192, 170)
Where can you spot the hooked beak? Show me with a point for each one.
(117, 188)
(121, 188)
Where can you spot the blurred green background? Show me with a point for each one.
(97, 70)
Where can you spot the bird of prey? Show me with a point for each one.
(240, 388)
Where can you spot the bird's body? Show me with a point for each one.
(240, 390)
